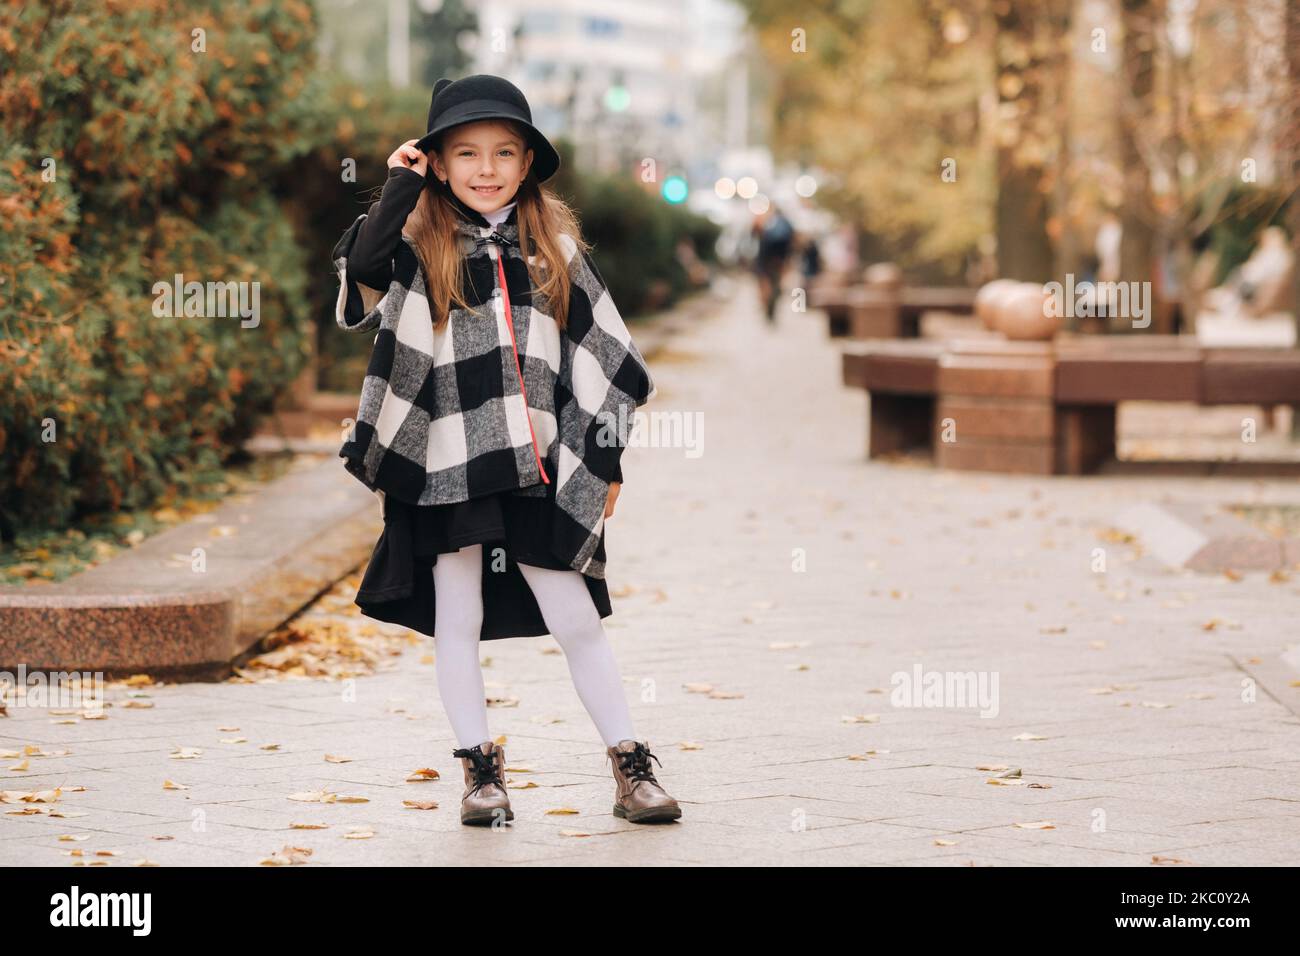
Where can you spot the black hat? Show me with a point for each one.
(480, 97)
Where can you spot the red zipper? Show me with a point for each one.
(505, 300)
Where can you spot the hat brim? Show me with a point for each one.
(546, 161)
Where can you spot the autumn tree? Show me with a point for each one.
(1032, 60)
(887, 99)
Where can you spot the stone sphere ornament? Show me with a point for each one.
(1027, 313)
(988, 300)
(883, 275)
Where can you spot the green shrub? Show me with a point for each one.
(130, 156)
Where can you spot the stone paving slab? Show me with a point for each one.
(1207, 540)
(779, 533)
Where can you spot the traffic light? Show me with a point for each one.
(675, 189)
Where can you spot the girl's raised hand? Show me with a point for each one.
(410, 157)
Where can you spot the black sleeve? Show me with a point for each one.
(371, 261)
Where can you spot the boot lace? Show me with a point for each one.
(484, 767)
(636, 764)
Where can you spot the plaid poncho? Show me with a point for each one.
(500, 398)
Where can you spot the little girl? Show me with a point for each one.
(485, 420)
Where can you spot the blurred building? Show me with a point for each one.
(626, 82)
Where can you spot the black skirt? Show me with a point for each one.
(514, 529)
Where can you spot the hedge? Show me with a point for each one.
(141, 140)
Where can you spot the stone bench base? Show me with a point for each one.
(155, 609)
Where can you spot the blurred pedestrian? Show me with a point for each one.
(810, 260)
(775, 240)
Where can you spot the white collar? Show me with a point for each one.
(498, 216)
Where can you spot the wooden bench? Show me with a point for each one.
(1046, 407)
(866, 312)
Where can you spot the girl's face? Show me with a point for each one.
(483, 162)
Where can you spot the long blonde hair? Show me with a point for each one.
(542, 217)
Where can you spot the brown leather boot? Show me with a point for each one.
(638, 797)
(485, 797)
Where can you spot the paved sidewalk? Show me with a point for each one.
(1149, 713)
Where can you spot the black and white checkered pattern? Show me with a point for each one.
(442, 416)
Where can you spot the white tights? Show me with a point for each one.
(569, 613)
